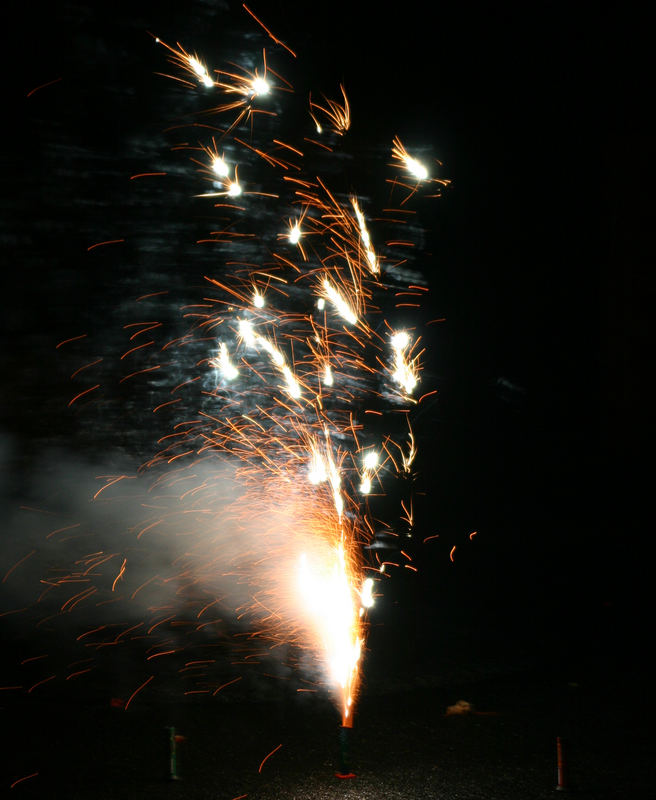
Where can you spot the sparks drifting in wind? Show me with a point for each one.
(337, 114)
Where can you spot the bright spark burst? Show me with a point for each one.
(411, 164)
(260, 86)
(189, 63)
(223, 363)
(340, 304)
(219, 167)
(369, 462)
(200, 71)
(294, 233)
(404, 368)
(371, 257)
(233, 188)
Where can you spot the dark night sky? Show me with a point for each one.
(538, 364)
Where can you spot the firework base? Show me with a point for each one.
(344, 772)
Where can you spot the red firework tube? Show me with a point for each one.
(561, 784)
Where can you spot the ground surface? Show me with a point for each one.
(404, 744)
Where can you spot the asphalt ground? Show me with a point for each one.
(406, 743)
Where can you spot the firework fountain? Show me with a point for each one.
(298, 361)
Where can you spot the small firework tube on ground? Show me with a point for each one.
(173, 753)
(344, 770)
(561, 775)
